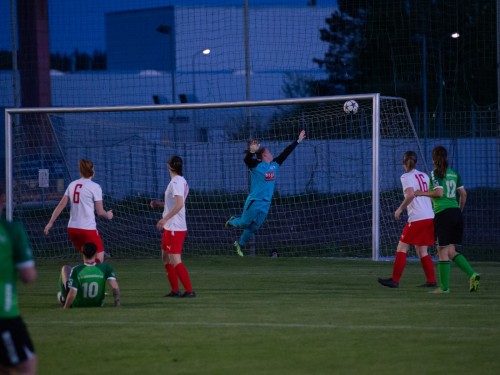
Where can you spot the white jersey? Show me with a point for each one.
(177, 186)
(82, 194)
(420, 208)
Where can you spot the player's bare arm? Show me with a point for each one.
(70, 298)
(156, 204)
(409, 196)
(57, 211)
(462, 198)
(28, 274)
(116, 292)
(436, 193)
(179, 203)
(99, 208)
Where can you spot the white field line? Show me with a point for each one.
(270, 325)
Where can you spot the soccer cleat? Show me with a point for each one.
(238, 248)
(474, 282)
(190, 294)
(173, 294)
(428, 285)
(60, 298)
(227, 225)
(390, 283)
(440, 291)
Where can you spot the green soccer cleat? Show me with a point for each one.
(227, 225)
(238, 248)
(474, 282)
(440, 291)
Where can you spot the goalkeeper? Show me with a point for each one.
(264, 170)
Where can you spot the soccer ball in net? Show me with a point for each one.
(351, 107)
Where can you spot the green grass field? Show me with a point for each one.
(269, 316)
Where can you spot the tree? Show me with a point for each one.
(378, 46)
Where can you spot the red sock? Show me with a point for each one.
(172, 277)
(184, 277)
(428, 267)
(399, 266)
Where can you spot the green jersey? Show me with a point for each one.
(90, 282)
(450, 183)
(15, 253)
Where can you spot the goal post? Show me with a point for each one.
(335, 194)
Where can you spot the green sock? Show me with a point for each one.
(462, 263)
(444, 274)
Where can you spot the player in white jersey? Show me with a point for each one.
(419, 229)
(85, 197)
(173, 225)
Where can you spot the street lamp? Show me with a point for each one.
(423, 39)
(167, 30)
(205, 51)
(441, 83)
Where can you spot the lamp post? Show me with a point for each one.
(424, 86)
(205, 51)
(167, 30)
(441, 83)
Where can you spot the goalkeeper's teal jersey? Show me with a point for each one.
(263, 181)
(15, 253)
(90, 283)
(264, 174)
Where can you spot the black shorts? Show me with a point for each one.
(15, 342)
(449, 227)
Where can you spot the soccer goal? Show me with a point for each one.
(335, 195)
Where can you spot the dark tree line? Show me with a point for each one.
(75, 61)
(400, 47)
(380, 45)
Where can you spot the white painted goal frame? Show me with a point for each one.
(375, 115)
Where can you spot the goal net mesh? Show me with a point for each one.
(322, 205)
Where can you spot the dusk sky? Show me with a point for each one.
(76, 24)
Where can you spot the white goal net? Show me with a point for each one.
(335, 195)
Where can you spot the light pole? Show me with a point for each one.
(205, 51)
(167, 30)
(441, 82)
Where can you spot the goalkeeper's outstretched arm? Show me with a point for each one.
(287, 151)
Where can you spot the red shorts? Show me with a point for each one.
(80, 237)
(172, 241)
(419, 233)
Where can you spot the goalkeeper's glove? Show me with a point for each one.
(254, 146)
(302, 135)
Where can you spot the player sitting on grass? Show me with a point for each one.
(84, 285)
(264, 170)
